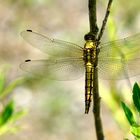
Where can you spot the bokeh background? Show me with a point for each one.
(55, 109)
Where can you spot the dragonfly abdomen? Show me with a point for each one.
(89, 58)
(88, 86)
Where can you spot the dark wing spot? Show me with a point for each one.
(27, 60)
(29, 30)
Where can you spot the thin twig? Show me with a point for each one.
(104, 21)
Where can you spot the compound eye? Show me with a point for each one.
(89, 36)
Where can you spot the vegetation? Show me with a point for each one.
(9, 115)
(134, 125)
(57, 108)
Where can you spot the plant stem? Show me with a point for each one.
(92, 17)
(104, 21)
(96, 107)
(96, 97)
(94, 31)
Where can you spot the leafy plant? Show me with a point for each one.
(134, 124)
(8, 115)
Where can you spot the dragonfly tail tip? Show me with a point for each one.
(86, 111)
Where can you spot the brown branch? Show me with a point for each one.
(104, 21)
(92, 19)
(96, 107)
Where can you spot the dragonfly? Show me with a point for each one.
(115, 60)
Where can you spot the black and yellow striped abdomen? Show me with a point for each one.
(89, 58)
(88, 86)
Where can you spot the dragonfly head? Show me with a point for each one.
(90, 36)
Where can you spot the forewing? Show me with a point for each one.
(62, 69)
(53, 47)
(120, 59)
(122, 47)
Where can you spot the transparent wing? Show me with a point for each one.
(120, 59)
(122, 47)
(118, 69)
(52, 47)
(62, 69)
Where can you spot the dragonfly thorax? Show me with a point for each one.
(90, 44)
(89, 52)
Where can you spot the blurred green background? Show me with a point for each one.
(56, 108)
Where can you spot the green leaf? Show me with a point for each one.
(128, 114)
(111, 26)
(3, 72)
(2, 81)
(18, 115)
(11, 87)
(10, 126)
(136, 96)
(6, 113)
(135, 130)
